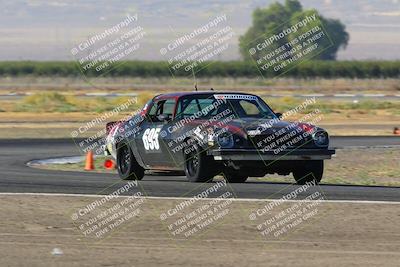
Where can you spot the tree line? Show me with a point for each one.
(306, 69)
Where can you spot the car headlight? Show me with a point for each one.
(321, 138)
(225, 140)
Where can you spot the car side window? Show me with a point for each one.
(169, 107)
(165, 107)
(187, 107)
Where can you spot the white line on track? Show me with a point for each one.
(374, 95)
(188, 198)
(344, 95)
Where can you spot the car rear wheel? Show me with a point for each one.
(128, 168)
(198, 166)
(311, 171)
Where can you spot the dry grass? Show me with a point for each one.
(62, 114)
(373, 166)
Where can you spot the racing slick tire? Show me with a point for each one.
(232, 177)
(128, 168)
(309, 172)
(198, 166)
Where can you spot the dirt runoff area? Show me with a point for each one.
(55, 231)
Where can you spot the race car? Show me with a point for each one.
(204, 134)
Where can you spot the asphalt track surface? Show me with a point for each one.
(16, 177)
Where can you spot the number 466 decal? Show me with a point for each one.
(150, 139)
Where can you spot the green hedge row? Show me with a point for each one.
(308, 69)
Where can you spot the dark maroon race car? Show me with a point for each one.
(209, 133)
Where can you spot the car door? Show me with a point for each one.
(153, 136)
(187, 122)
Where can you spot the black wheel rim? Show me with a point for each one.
(124, 159)
(193, 163)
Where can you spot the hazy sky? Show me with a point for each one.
(49, 29)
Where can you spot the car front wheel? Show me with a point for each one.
(198, 166)
(310, 171)
(128, 168)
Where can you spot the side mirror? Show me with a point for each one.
(279, 115)
(164, 117)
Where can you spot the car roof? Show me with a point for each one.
(181, 94)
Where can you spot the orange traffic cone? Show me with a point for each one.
(109, 164)
(89, 166)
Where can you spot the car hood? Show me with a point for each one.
(256, 126)
(253, 123)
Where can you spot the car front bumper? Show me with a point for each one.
(256, 155)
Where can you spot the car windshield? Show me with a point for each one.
(207, 106)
